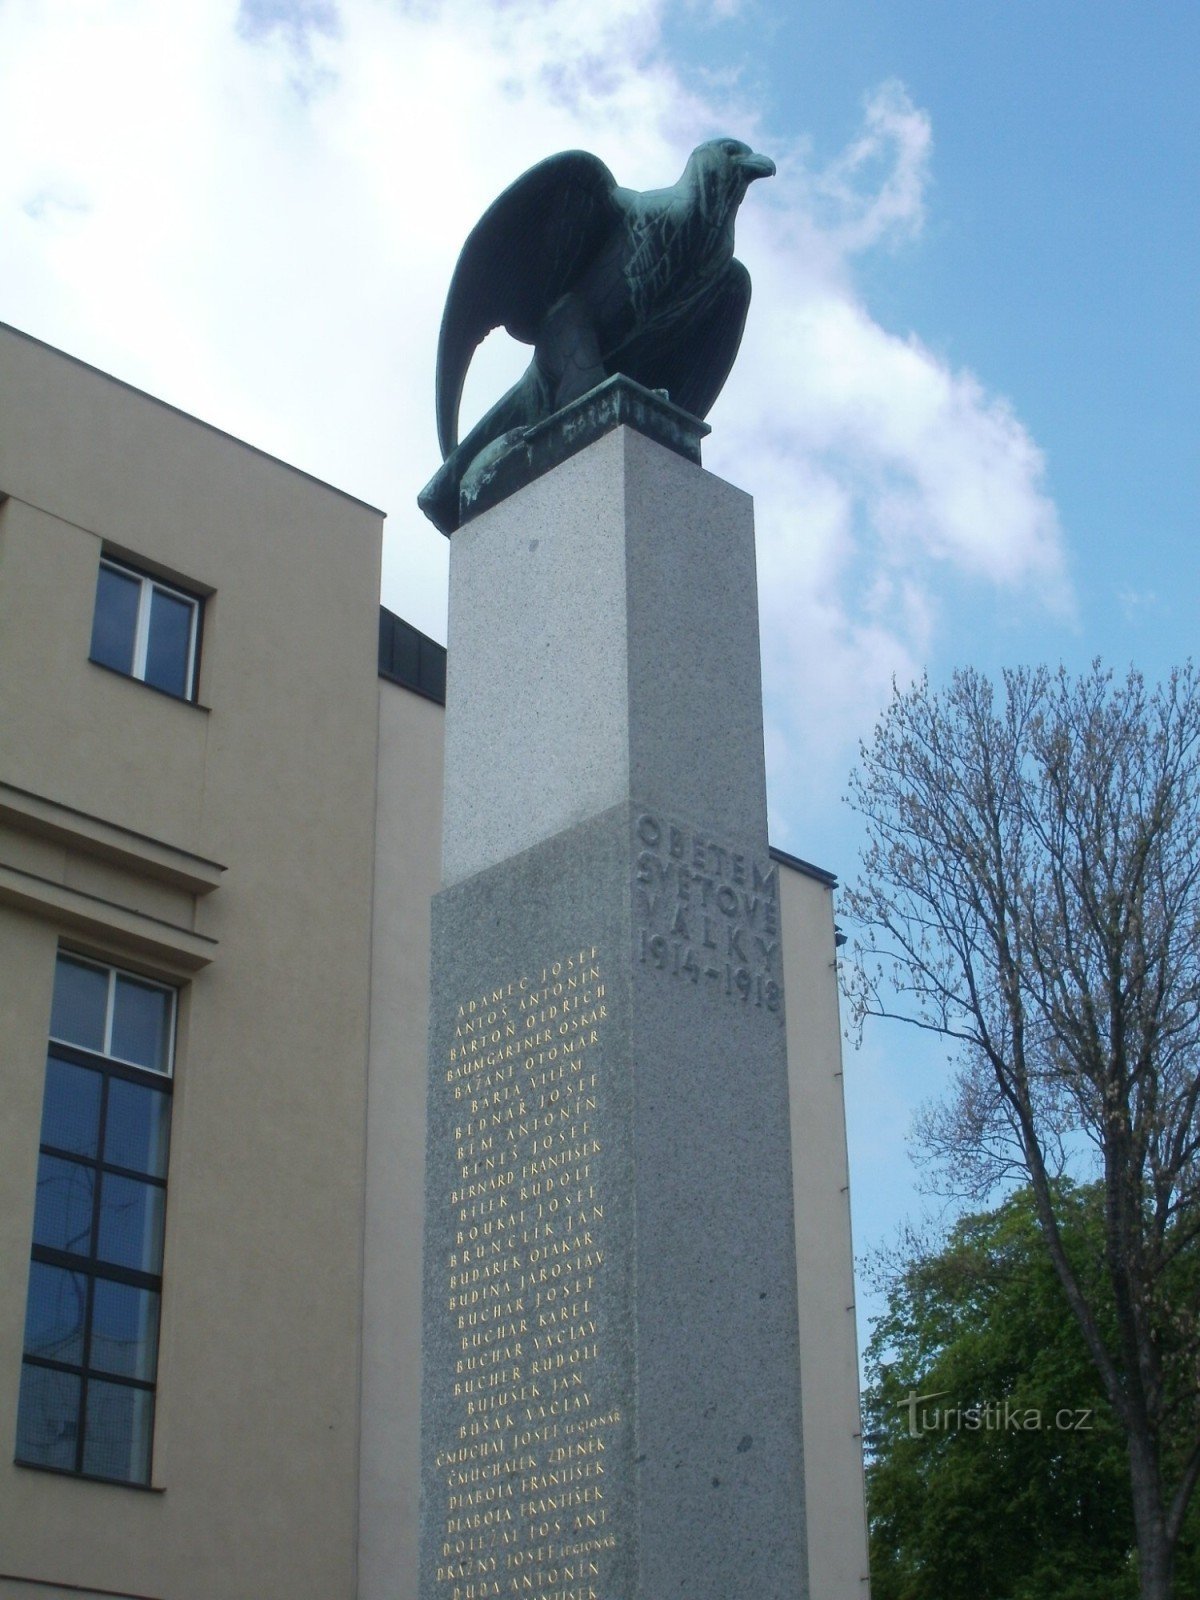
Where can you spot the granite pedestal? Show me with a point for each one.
(611, 1400)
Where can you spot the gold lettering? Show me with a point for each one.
(526, 1442)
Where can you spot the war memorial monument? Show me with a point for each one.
(611, 1385)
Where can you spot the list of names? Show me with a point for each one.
(528, 1430)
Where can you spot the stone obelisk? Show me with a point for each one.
(611, 1400)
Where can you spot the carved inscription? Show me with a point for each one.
(524, 1456)
(706, 914)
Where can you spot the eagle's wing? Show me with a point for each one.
(692, 356)
(520, 257)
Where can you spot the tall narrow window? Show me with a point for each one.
(145, 629)
(95, 1277)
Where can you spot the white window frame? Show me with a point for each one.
(141, 631)
(168, 1070)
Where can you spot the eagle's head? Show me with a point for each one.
(723, 169)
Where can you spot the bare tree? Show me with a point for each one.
(1030, 888)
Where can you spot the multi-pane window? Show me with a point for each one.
(145, 629)
(95, 1277)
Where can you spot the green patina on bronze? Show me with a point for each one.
(600, 280)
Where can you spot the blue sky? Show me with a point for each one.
(1058, 260)
(966, 402)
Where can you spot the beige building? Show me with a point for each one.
(220, 792)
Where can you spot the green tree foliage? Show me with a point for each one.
(1011, 1482)
(1031, 892)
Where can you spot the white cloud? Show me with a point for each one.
(878, 471)
(254, 211)
(875, 190)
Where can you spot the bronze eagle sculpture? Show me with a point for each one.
(599, 280)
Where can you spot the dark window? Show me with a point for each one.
(409, 657)
(95, 1276)
(146, 629)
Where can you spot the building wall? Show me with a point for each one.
(408, 853)
(226, 846)
(837, 1537)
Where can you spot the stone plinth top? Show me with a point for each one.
(525, 454)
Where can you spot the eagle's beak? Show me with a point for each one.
(755, 166)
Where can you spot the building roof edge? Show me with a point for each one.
(821, 874)
(211, 427)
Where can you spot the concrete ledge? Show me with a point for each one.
(159, 941)
(108, 841)
(47, 1589)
